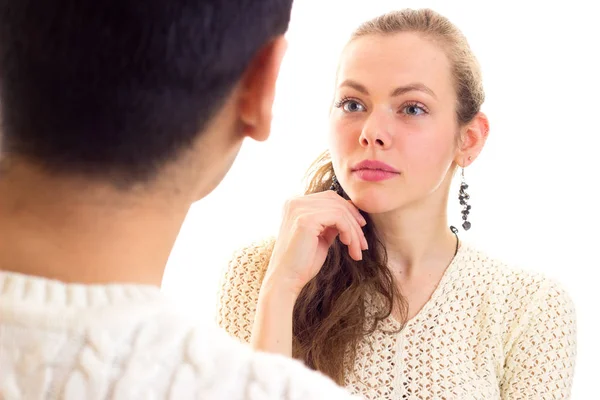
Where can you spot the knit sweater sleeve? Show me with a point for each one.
(236, 372)
(239, 289)
(541, 360)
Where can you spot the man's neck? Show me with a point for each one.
(78, 232)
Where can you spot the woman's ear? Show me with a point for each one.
(472, 139)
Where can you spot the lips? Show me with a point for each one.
(374, 171)
(374, 165)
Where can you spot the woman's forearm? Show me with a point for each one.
(272, 329)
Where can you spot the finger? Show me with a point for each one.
(355, 247)
(356, 212)
(359, 242)
(340, 220)
(336, 207)
(365, 244)
(329, 235)
(350, 206)
(361, 221)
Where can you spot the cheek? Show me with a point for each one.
(343, 135)
(428, 155)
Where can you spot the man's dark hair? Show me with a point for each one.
(105, 87)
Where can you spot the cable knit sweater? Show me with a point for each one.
(488, 332)
(121, 342)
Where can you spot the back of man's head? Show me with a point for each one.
(122, 86)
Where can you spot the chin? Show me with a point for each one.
(373, 201)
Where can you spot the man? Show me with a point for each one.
(117, 115)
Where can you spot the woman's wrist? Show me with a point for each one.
(279, 293)
(274, 284)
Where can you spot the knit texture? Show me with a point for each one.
(488, 332)
(126, 342)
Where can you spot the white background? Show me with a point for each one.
(534, 189)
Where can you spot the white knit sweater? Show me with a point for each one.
(488, 332)
(80, 342)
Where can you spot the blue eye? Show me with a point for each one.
(352, 106)
(349, 105)
(414, 109)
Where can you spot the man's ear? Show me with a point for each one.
(472, 139)
(257, 89)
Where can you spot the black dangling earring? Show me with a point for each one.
(463, 196)
(335, 185)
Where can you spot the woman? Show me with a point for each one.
(365, 281)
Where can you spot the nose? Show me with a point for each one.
(376, 132)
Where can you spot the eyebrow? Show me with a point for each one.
(396, 92)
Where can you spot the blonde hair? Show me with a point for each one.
(330, 317)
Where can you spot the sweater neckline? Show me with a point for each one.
(16, 287)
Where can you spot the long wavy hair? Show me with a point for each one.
(331, 315)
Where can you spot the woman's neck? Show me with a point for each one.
(416, 239)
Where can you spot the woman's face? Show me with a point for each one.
(395, 104)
